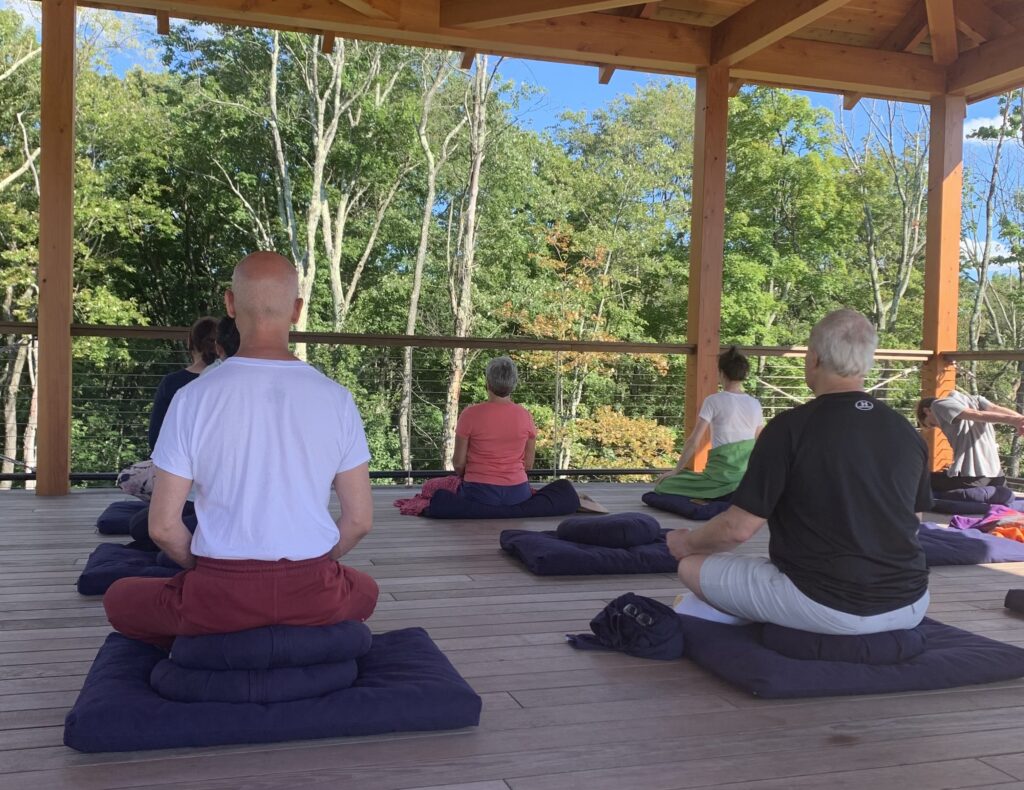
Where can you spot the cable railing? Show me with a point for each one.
(604, 410)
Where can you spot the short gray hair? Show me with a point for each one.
(502, 376)
(845, 343)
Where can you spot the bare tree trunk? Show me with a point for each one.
(16, 369)
(461, 278)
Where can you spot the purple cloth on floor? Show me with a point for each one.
(966, 547)
(951, 658)
(984, 523)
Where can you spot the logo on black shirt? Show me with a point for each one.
(864, 405)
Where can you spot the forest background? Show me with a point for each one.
(414, 199)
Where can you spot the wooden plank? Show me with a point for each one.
(163, 24)
(762, 23)
(604, 74)
(56, 245)
(493, 13)
(942, 257)
(976, 20)
(994, 67)
(376, 9)
(707, 242)
(906, 36)
(942, 31)
(468, 59)
(327, 43)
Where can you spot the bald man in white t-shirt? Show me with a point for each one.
(262, 440)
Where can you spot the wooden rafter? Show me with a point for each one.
(994, 67)
(905, 37)
(375, 9)
(327, 43)
(468, 56)
(492, 13)
(976, 20)
(604, 74)
(762, 23)
(163, 24)
(942, 31)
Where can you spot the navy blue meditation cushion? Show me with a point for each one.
(1014, 601)
(951, 658)
(138, 526)
(888, 647)
(274, 646)
(616, 530)
(405, 683)
(971, 501)
(545, 554)
(944, 546)
(115, 518)
(112, 561)
(555, 499)
(685, 506)
(263, 686)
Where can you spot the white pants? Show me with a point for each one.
(754, 589)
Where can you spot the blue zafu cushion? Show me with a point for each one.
(274, 646)
(686, 507)
(115, 519)
(405, 683)
(112, 561)
(555, 499)
(138, 526)
(951, 658)
(971, 501)
(544, 554)
(263, 686)
(888, 647)
(616, 530)
(943, 546)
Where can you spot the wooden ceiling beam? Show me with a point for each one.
(994, 67)
(468, 56)
(976, 20)
(762, 23)
(493, 13)
(905, 37)
(604, 74)
(375, 9)
(327, 43)
(942, 31)
(163, 24)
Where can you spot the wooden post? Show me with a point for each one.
(56, 232)
(942, 257)
(707, 241)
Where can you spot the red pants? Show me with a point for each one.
(221, 596)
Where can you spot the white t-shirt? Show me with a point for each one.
(262, 441)
(975, 450)
(733, 416)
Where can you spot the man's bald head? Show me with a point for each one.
(265, 289)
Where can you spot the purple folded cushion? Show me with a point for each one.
(888, 647)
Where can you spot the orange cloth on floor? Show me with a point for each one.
(1013, 533)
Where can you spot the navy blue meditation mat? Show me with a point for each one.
(616, 530)
(112, 561)
(951, 658)
(971, 501)
(405, 683)
(686, 507)
(274, 646)
(545, 554)
(555, 499)
(115, 519)
(946, 546)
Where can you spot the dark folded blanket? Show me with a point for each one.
(695, 510)
(555, 499)
(616, 530)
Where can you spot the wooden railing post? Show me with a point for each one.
(942, 257)
(56, 232)
(707, 241)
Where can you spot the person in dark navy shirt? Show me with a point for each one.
(202, 347)
(840, 482)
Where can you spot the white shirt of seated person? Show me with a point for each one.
(263, 441)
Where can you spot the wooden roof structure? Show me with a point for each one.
(942, 52)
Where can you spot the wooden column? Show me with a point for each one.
(56, 231)
(942, 261)
(707, 241)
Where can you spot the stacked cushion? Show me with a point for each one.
(114, 520)
(616, 530)
(112, 561)
(971, 501)
(693, 509)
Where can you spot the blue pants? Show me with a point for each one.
(499, 496)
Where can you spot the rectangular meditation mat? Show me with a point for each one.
(405, 684)
(951, 658)
(545, 554)
(114, 520)
(944, 546)
(112, 561)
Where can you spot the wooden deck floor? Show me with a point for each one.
(553, 718)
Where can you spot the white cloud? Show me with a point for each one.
(975, 248)
(971, 125)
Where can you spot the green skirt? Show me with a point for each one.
(725, 468)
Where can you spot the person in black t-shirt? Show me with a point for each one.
(202, 348)
(840, 481)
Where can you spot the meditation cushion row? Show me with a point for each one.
(112, 561)
(405, 683)
(545, 554)
(616, 530)
(971, 501)
(888, 647)
(115, 518)
(738, 655)
(944, 546)
(695, 510)
(555, 499)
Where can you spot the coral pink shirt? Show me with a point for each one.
(497, 432)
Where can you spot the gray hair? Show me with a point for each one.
(845, 343)
(502, 376)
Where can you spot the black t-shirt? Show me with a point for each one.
(169, 385)
(839, 481)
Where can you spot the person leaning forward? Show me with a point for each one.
(263, 442)
(839, 481)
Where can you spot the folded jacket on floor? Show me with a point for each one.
(725, 468)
